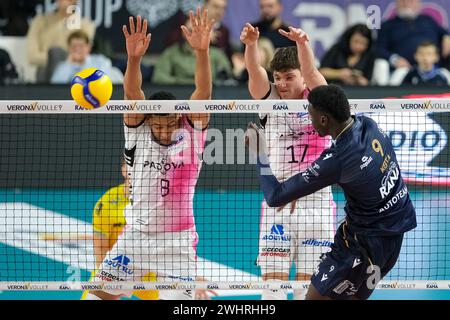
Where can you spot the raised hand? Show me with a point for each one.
(199, 36)
(137, 40)
(295, 34)
(249, 35)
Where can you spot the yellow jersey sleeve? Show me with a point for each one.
(100, 217)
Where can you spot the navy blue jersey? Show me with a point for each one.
(363, 162)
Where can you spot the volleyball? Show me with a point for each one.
(91, 88)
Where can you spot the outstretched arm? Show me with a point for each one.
(323, 172)
(199, 38)
(258, 83)
(137, 42)
(312, 76)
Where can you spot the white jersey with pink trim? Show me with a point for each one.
(292, 142)
(162, 178)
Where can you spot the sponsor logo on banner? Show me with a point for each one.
(317, 243)
(27, 286)
(417, 105)
(305, 106)
(287, 286)
(166, 286)
(109, 286)
(396, 285)
(379, 105)
(256, 286)
(280, 106)
(184, 106)
(92, 286)
(212, 286)
(34, 106)
(138, 287)
(432, 285)
(64, 287)
(232, 106)
(353, 106)
(134, 106)
(440, 106)
(239, 286)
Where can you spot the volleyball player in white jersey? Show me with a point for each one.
(163, 153)
(301, 233)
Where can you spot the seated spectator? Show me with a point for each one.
(79, 58)
(270, 22)
(8, 73)
(426, 70)
(351, 60)
(176, 64)
(400, 36)
(266, 52)
(50, 30)
(220, 37)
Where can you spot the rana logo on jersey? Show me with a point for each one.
(388, 182)
(419, 140)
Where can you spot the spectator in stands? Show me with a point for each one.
(79, 58)
(51, 31)
(400, 36)
(8, 73)
(270, 21)
(220, 37)
(426, 70)
(176, 64)
(15, 15)
(351, 60)
(266, 52)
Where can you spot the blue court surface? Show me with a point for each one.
(228, 226)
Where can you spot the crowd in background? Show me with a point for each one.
(410, 49)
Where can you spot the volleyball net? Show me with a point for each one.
(57, 221)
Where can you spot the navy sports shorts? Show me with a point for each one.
(344, 272)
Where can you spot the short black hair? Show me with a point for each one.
(161, 95)
(332, 100)
(285, 59)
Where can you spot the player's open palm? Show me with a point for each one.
(295, 34)
(199, 34)
(137, 40)
(249, 35)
